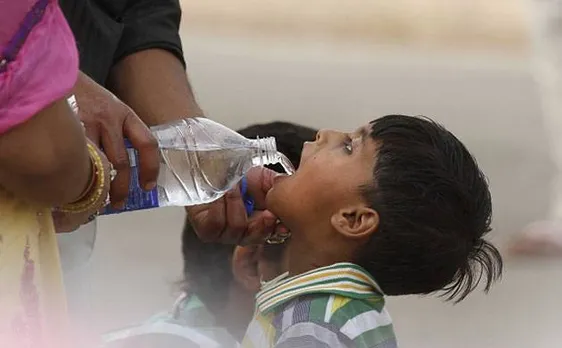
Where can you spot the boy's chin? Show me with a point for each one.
(276, 189)
(276, 199)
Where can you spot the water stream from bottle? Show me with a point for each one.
(286, 164)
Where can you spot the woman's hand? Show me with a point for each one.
(68, 222)
(108, 121)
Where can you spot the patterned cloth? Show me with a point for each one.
(335, 306)
(188, 325)
(32, 302)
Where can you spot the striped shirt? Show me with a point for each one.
(331, 307)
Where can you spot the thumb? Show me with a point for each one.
(260, 181)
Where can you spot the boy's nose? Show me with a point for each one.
(325, 135)
(318, 135)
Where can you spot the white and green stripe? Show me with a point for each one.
(345, 279)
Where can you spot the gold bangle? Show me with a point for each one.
(92, 198)
(93, 179)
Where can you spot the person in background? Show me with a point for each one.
(132, 73)
(220, 280)
(46, 161)
(544, 238)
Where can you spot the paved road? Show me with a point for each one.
(490, 102)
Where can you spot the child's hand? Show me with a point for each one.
(226, 221)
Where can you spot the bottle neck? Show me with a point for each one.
(265, 151)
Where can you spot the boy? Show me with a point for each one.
(397, 207)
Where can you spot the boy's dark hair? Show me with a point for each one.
(207, 266)
(435, 208)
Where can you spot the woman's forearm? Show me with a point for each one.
(45, 160)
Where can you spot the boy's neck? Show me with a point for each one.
(300, 258)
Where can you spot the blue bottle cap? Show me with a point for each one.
(248, 200)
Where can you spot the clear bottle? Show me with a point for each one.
(200, 160)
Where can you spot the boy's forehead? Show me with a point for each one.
(363, 131)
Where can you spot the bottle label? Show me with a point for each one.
(248, 200)
(138, 199)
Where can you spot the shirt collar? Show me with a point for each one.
(346, 279)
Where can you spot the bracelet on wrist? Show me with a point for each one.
(92, 196)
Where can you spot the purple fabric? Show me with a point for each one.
(33, 17)
(39, 60)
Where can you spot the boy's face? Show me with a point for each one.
(324, 194)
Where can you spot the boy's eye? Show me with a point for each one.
(348, 146)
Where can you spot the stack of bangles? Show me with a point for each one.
(92, 196)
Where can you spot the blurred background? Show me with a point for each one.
(328, 63)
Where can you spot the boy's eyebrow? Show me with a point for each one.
(363, 132)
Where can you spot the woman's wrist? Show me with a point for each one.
(90, 183)
(95, 195)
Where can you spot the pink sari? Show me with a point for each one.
(38, 59)
(38, 65)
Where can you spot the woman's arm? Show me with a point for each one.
(45, 159)
(43, 153)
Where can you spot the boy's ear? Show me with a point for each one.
(356, 222)
(245, 267)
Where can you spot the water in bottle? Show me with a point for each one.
(200, 160)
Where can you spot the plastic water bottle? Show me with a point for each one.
(200, 160)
